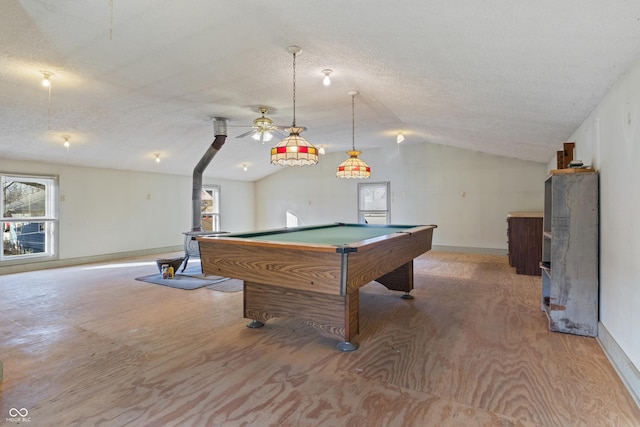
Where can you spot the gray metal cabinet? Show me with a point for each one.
(570, 251)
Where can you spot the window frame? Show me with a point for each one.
(49, 221)
(362, 213)
(216, 219)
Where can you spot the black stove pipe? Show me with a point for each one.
(220, 132)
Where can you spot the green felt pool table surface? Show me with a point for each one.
(335, 234)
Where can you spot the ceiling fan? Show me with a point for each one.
(263, 129)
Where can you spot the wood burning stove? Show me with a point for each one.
(191, 249)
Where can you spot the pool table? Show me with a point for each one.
(314, 273)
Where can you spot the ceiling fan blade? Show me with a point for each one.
(242, 135)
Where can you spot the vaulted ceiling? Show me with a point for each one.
(132, 79)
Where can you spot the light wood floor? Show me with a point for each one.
(89, 345)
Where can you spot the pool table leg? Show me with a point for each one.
(400, 279)
(351, 321)
(332, 316)
(255, 324)
(346, 346)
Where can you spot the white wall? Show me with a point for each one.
(427, 183)
(237, 204)
(610, 140)
(107, 211)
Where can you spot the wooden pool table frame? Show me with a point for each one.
(315, 283)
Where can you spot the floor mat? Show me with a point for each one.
(191, 279)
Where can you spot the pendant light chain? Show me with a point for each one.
(294, 89)
(49, 108)
(353, 122)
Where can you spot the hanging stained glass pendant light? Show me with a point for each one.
(294, 150)
(353, 167)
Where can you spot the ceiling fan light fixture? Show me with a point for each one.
(262, 136)
(262, 128)
(294, 150)
(263, 122)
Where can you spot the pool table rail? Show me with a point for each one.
(240, 241)
(277, 265)
(385, 255)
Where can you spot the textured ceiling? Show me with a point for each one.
(135, 78)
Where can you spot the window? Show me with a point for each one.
(28, 217)
(210, 208)
(291, 220)
(373, 203)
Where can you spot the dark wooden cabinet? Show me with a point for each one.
(524, 231)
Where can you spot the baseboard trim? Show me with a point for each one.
(469, 250)
(68, 262)
(627, 372)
